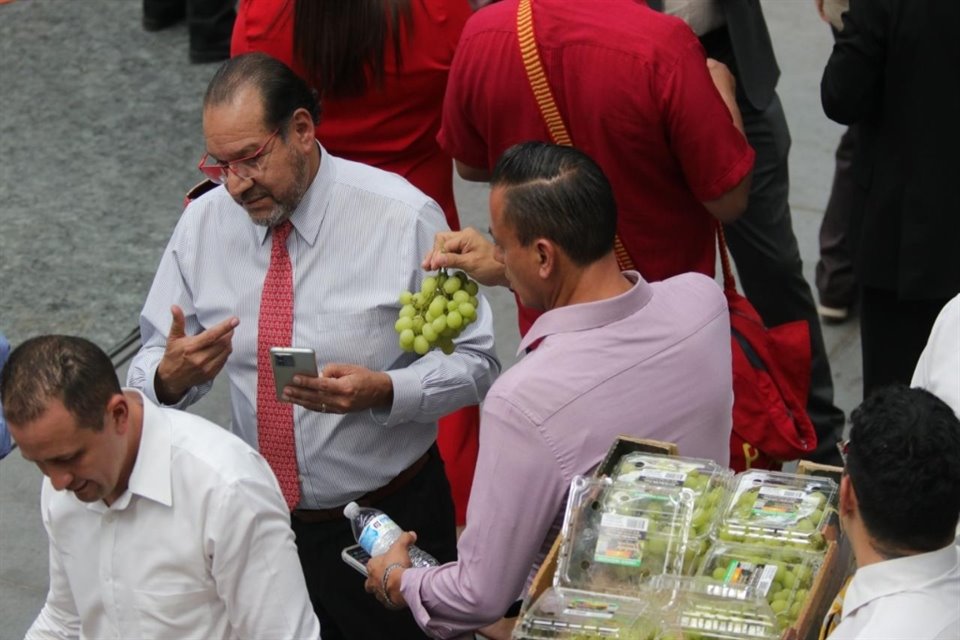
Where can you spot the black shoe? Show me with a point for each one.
(161, 15)
(212, 54)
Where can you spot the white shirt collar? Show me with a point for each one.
(889, 577)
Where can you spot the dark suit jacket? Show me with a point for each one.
(895, 69)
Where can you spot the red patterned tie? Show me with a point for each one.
(275, 329)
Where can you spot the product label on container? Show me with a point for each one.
(747, 574)
(377, 527)
(621, 539)
(778, 506)
(668, 473)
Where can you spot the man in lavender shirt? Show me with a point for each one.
(612, 355)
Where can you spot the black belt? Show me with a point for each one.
(368, 499)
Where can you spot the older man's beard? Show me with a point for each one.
(287, 202)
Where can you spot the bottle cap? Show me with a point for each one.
(351, 510)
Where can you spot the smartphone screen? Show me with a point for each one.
(356, 557)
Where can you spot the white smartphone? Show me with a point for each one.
(356, 557)
(288, 362)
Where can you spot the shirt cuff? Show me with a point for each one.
(410, 583)
(192, 395)
(407, 398)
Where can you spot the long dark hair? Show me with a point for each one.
(337, 41)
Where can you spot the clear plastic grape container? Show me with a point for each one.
(570, 614)
(783, 577)
(779, 509)
(696, 611)
(616, 535)
(705, 479)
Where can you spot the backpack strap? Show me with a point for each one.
(548, 105)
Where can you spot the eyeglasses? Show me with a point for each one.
(243, 168)
(844, 448)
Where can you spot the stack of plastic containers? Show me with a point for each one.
(771, 538)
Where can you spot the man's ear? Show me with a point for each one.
(119, 411)
(303, 130)
(848, 496)
(546, 257)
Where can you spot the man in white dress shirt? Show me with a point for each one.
(899, 503)
(161, 524)
(353, 237)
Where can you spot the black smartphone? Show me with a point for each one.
(356, 557)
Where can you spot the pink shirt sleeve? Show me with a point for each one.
(517, 493)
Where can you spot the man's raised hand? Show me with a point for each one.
(469, 251)
(191, 360)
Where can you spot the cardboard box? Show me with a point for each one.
(837, 562)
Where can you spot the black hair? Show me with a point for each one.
(281, 90)
(340, 42)
(904, 462)
(69, 369)
(558, 193)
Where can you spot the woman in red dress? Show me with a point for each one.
(380, 67)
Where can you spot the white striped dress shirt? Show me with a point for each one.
(359, 237)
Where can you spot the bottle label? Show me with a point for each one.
(378, 527)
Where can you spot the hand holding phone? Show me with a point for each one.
(288, 362)
(356, 557)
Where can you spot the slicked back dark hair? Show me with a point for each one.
(558, 193)
(72, 370)
(281, 90)
(904, 462)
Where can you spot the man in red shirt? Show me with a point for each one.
(636, 94)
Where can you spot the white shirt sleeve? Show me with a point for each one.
(436, 384)
(168, 289)
(254, 562)
(59, 617)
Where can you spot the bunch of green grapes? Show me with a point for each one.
(799, 527)
(785, 591)
(435, 315)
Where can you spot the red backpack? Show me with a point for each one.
(771, 380)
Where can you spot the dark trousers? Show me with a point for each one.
(345, 610)
(209, 22)
(767, 256)
(893, 333)
(836, 284)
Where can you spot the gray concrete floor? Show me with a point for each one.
(99, 136)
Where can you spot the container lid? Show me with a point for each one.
(617, 535)
(709, 482)
(775, 508)
(573, 614)
(699, 611)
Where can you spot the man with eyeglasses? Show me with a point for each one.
(300, 248)
(899, 503)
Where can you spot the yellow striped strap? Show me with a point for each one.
(547, 104)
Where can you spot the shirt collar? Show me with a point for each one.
(900, 574)
(308, 216)
(150, 477)
(590, 315)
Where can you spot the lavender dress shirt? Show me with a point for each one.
(653, 362)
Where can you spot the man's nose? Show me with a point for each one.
(60, 479)
(235, 184)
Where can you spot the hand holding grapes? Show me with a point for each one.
(470, 251)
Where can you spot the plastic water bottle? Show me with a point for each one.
(376, 533)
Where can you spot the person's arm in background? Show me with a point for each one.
(852, 85)
(733, 203)
(6, 444)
